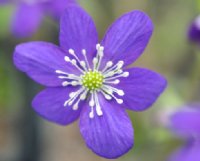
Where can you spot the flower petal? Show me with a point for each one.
(109, 135)
(141, 88)
(40, 60)
(49, 104)
(26, 20)
(127, 37)
(78, 31)
(186, 121)
(190, 152)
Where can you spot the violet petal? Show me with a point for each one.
(141, 88)
(78, 31)
(40, 60)
(49, 104)
(109, 135)
(127, 37)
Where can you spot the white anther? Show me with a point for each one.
(83, 64)
(71, 51)
(91, 115)
(67, 59)
(101, 48)
(116, 81)
(72, 94)
(99, 112)
(120, 92)
(75, 83)
(109, 63)
(73, 61)
(85, 57)
(108, 97)
(60, 72)
(91, 103)
(98, 46)
(83, 51)
(65, 83)
(119, 101)
(75, 107)
(95, 61)
(125, 74)
(120, 64)
(98, 107)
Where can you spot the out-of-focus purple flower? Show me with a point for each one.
(29, 13)
(186, 123)
(194, 30)
(91, 81)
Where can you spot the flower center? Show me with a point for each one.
(92, 80)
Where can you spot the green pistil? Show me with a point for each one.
(92, 80)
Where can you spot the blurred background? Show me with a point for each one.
(24, 136)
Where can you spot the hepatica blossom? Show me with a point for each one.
(194, 30)
(91, 80)
(186, 123)
(29, 14)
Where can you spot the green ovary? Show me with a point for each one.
(92, 80)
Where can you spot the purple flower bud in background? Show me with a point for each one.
(28, 14)
(91, 80)
(186, 123)
(194, 30)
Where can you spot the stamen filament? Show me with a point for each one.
(86, 60)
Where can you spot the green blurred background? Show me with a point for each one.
(24, 136)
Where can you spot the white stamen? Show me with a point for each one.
(98, 107)
(83, 64)
(118, 91)
(85, 57)
(116, 81)
(73, 62)
(91, 103)
(115, 67)
(100, 55)
(108, 65)
(67, 59)
(95, 61)
(61, 72)
(110, 92)
(70, 76)
(73, 96)
(108, 97)
(71, 51)
(125, 74)
(91, 114)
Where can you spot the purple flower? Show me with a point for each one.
(186, 122)
(29, 14)
(91, 81)
(194, 30)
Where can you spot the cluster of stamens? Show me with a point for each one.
(92, 80)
